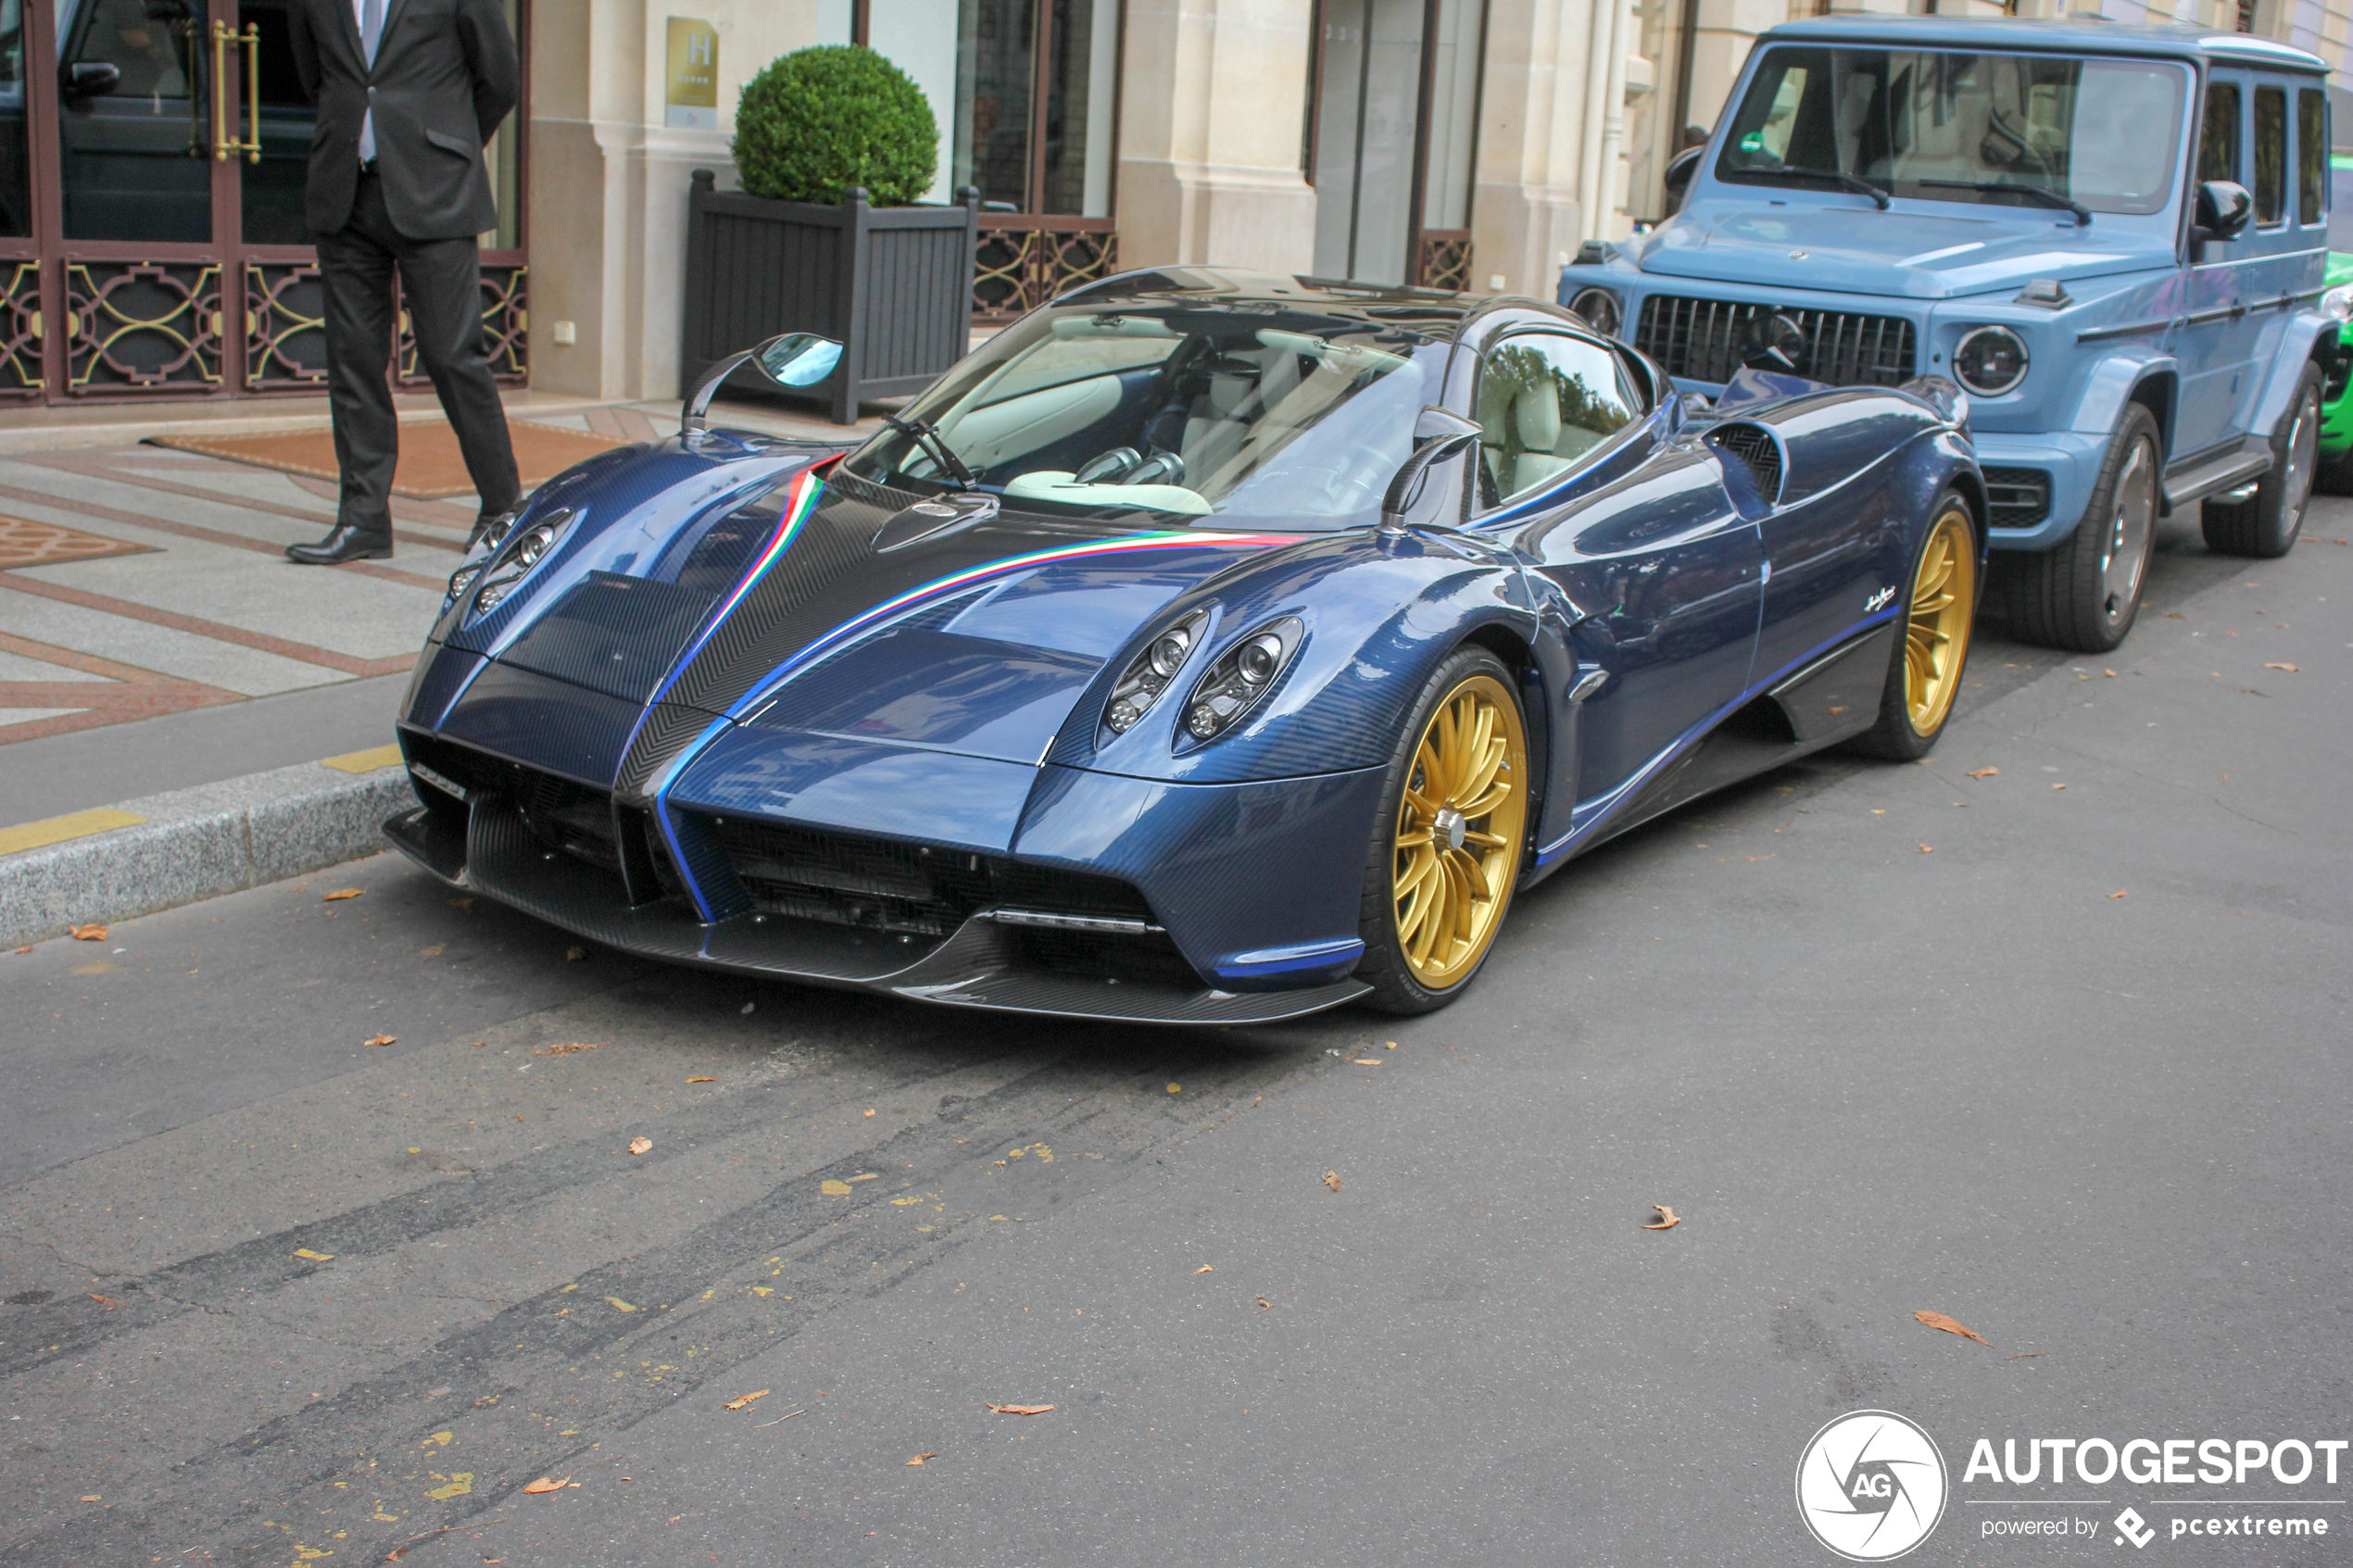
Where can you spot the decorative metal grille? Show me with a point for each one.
(1019, 269)
(286, 325)
(1445, 259)
(20, 329)
(141, 326)
(505, 320)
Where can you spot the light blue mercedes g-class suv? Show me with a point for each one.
(2112, 237)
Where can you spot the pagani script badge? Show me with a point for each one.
(1870, 1486)
(1879, 600)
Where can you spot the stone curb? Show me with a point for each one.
(199, 844)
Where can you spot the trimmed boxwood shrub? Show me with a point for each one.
(820, 121)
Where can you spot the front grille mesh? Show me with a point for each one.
(2017, 497)
(1701, 340)
(565, 816)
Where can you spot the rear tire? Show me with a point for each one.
(2267, 525)
(1924, 672)
(2084, 593)
(1449, 839)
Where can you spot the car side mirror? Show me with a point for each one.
(1439, 434)
(790, 362)
(88, 78)
(2223, 210)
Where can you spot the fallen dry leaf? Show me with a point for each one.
(1938, 1319)
(567, 1051)
(2059, 786)
(1364, 1060)
(28, 948)
(1332, 1180)
(1983, 772)
(833, 1188)
(619, 1305)
(102, 1300)
(381, 1040)
(2289, 668)
(395, 1554)
(869, 1112)
(867, 1177)
(1021, 1409)
(640, 1146)
(432, 952)
(1263, 1306)
(702, 1080)
(314, 1257)
(1206, 1268)
(575, 953)
(544, 1485)
(1928, 848)
(738, 1404)
(920, 1458)
(89, 933)
(2122, 894)
(1667, 1219)
(342, 892)
(92, 1497)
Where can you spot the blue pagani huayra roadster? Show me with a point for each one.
(1206, 647)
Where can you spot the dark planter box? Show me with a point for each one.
(893, 285)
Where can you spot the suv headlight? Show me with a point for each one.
(1240, 678)
(1149, 672)
(2339, 301)
(1990, 361)
(1599, 310)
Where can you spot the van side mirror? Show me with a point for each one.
(2223, 210)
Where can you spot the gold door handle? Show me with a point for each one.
(226, 145)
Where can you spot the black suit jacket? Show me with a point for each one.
(445, 74)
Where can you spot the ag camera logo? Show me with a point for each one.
(1870, 1486)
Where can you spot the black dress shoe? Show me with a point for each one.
(347, 542)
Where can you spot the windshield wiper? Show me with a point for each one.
(1853, 182)
(2042, 193)
(926, 435)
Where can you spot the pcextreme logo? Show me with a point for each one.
(1870, 1486)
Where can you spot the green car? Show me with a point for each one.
(2335, 473)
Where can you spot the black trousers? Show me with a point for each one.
(441, 282)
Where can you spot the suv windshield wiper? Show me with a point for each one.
(926, 435)
(1853, 182)
(2042, 193)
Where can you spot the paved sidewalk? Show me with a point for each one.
(153, 639)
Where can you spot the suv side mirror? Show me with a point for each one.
(2223, 209)
(88, 78)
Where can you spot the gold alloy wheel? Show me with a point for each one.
(1460, 825)
(1936, 628)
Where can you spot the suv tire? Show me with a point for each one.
(2267, 525)
(2082, 594)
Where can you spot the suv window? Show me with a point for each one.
(2217, 145)
(1945, 125)
(1546, 399)
(2311, 155)
(2270, 154)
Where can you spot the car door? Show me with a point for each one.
(1630, 517)
(2217, 341)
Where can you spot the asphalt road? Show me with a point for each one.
(2059, 1051)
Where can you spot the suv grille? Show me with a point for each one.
(2017, 497)
(1701, 340)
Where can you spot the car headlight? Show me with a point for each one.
(2339, 301)
(1149, 672)
(1990, 361)
(511, 562)
(1240, 678)
(1599, 310)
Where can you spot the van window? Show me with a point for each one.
(2270, 154)
(2311, 155)
(2217, 145)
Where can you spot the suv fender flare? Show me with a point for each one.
(2112, 380)
(2291, 344)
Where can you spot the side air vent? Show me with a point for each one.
(1753, 448)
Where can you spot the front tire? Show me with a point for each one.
(2267, 525)
(1924, 672)
(2084, 593)
(1448, 838)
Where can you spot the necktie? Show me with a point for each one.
(372, 32)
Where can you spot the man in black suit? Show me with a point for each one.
(407, 92)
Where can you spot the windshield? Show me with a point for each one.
(1944, 126)
(1224, 414)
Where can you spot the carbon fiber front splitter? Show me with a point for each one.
(496, 855)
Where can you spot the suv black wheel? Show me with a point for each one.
(2267, 524)
(2084, 593)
